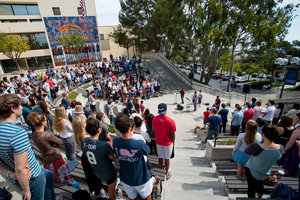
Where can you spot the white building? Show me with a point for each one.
(26, 17)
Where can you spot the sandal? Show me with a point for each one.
(169, 176)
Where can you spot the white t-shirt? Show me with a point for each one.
(270, 113)
(257, 111)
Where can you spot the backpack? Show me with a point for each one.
(284, 192)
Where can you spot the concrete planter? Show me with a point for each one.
(83, 89)
(218, 153)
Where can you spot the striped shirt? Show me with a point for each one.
(14, 140)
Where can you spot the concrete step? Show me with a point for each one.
(186, 191)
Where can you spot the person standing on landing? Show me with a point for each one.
(165, 129)
(182, 95)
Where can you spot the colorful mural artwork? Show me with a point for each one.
(58, 26)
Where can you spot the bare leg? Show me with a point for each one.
(160, 162)
(148, 197)
(111, 190)
(240, 170)
(259, 195)
(167, 165)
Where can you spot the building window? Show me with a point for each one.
(79, 9)
(101, 36)
(6, 10)
(36, 40)
(56, 11)
(19, 9)
(13, 21)
(35, 20)
(33, 10)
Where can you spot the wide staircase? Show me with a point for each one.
(170, 79)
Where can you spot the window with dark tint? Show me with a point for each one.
(79, 9)
(6, 10)
(36, 40)
(56, 11)
(20, 9)
(33, 10)
(101, 36)
(35, 20)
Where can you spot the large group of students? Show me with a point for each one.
(27, 113)
(28, 117)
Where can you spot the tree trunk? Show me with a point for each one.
(231, 67)
(127, 52)
(17, 63)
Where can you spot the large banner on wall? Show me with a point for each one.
(58, 26)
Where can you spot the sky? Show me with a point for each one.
(108, 12)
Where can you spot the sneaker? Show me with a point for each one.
(281, 172)
(59, 197)
(102, 193)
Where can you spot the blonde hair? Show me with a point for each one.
(251, 130)
(59, 116)
(78, 128)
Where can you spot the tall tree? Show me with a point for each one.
(13, 46)
(256, 23)
(120, 36)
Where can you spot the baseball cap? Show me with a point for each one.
(162, 108)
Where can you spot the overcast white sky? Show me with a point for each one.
(108, 12)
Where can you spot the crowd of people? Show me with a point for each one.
(26, 110)
(264, 139)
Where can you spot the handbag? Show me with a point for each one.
(4, 194)
(272, 180)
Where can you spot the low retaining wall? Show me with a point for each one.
(218, 153)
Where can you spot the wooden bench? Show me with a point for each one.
(59, 189)
(230, 168)
(240, 183)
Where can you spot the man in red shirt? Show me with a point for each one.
(182, 95)
(248, 114)
(206, 116)
(164, 128)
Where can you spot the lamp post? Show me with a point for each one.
(283, 62)
(133, 37)
(142, 41)
(162, 36)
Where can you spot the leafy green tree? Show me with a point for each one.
(120, 36)
(256, 24)
(13, 46)
(148, 18)
(73, 40)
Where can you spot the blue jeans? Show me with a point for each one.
(37, 187)
(42, 187)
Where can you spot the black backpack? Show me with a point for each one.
(284, 192)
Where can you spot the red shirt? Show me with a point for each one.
(163, 126)
(182, 93)
(248, 114)
(206, 115)
(50, 84)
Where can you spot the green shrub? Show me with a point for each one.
(296, 88)
(87, 85)
(72, 96)
(230, 141)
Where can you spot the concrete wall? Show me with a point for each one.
(67, 7)
(196, 85)
(108, 45)
(218, 153)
